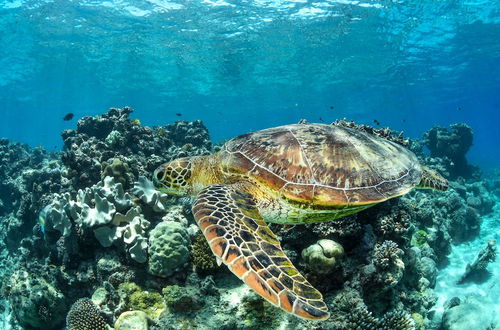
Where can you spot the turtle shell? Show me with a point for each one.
(322, 164)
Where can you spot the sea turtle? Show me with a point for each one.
(293, 174)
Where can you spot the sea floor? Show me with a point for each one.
(483, 290)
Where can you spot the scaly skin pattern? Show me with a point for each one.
(238, 235)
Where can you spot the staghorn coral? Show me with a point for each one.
(362, 319)
(84, 315)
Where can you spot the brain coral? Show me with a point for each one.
(168, 248)
(84, 315)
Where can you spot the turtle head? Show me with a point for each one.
(174, 177)
(184, 176)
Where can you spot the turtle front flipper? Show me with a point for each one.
(432, 180)
(238, 235)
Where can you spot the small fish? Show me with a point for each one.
(332, 107)
(404, 120)
(376, 122)
(41, 221)
(459, 108)
(68, 116)
(321, 120)
(178, 114)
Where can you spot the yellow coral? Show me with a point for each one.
(203, 257)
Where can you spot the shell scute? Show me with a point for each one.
(323, 164)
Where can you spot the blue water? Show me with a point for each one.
(246, 65)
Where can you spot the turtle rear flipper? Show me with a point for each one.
(432, 180)
(237, 234)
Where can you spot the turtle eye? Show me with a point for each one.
(160, 174)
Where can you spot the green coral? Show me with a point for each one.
(420, 238)
(419, 321)
(259, 314)
(181, 299)
(202, 256)
(168, 248)
(149, 302)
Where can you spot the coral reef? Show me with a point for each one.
(91, 148)
(132, 320)
(451, 144)
(323, 256)
(98, 208)
(385, 132)
(201, 254)
(168, 248)
(135, 298)
(397, 320)
(386, 269)
(34, 301)
(181, 299)
(87, 222)
(84, 315)
(485, 256)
